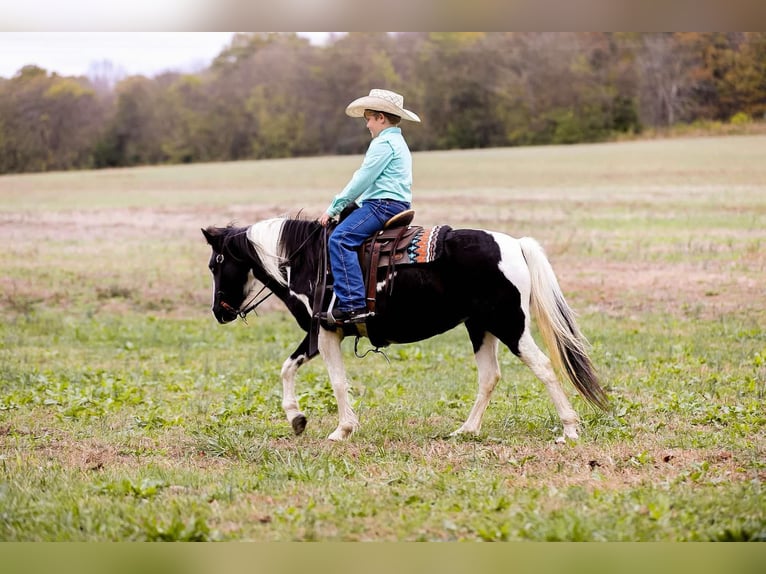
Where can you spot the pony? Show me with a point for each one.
(488, 281)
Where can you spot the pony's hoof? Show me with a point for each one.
(340, 434)
(337, 436)
(464, 432)
(570, 435)
(299, 424)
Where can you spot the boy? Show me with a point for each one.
(382, 187)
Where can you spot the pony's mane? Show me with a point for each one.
(274, 243)
(300, 243)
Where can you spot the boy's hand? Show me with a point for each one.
(324, 220)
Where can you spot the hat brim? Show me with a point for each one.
(356, 108)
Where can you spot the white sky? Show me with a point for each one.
(147, 53)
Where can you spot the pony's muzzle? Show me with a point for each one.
(224, 312)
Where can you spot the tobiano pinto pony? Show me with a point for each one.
(488, 281)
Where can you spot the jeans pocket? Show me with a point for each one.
(380, 210)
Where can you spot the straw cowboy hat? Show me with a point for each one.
(381, 101)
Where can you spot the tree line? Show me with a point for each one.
(272, 95)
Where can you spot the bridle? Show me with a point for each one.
(245, 308)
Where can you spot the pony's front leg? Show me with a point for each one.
(329, 348)
(289, 401)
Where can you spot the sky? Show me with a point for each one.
(146, 53)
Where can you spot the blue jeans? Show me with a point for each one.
(343, 244)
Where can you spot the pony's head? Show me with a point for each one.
(231, 270)
(242, 258)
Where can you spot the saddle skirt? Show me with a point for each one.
(406, 245)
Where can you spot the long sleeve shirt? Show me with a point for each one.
(386, 173)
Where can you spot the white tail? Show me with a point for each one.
(556, 321)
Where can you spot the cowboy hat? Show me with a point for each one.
(381, 101)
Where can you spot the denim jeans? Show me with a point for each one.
(343, 244)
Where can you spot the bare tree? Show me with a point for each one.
(665, 80)
(104, 75)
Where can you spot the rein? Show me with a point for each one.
(305, 241)
(243, 312)
(319, 293)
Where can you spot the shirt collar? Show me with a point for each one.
(392, 130)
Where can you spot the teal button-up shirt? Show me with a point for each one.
(386, 173)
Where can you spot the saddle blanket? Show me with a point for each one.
(426, 245)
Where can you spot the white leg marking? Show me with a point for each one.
(489, 375)
(329, 348)
(289, 400)
(540, 365)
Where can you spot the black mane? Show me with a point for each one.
(301, 243)
(237, 244)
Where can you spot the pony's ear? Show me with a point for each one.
(213, 239)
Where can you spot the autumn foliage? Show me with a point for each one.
(277, 95)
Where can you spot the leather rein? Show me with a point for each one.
(251, 307)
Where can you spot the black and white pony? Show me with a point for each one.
(486, 280)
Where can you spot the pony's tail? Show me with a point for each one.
(558, 327)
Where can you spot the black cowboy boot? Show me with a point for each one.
(338, 317)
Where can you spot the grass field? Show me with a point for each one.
(128, 413)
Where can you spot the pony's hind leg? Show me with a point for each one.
(485, 352)
(329, 348)
(289, 401)
(541, 366)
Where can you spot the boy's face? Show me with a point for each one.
(376, 123)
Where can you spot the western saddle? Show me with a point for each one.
(382, 251)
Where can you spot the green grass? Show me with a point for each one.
(127, 413)
(144, 429)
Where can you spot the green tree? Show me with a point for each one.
(739, 74)
(276, 95)
(461, 90)
(133, 138)
(48, 122)
(348, 69)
